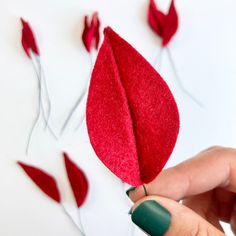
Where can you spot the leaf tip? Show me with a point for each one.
(107, 30)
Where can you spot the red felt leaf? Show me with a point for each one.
(43, 180)
(91, 35)
(164, 25)
(28, 40)
(171, 24)
(77, 179)
(132, 117)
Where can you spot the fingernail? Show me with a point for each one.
(151, 217)
(130, 190)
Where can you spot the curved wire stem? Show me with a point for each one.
(73, 110)
(80, 221)
(44, 84)
(80, 122)
(72, 220)
(79, 100)
(35, 120)
(45, 117)
(179, 80)
(158, 58)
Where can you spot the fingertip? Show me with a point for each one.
(136, 193)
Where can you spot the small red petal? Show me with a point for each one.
(156, 18)
(90, 35)
(96, 25)
(77, 179)
(43, 180)
(171, 24)
(25, 47)
(28, 39)
(85, 40)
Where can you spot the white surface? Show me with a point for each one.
(205, 54)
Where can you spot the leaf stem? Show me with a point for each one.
(158, 58)
(45, 117)
(72, 220)
(179, 80)
(79, 100)
(35, 120)
(80, 221)
(44, 83)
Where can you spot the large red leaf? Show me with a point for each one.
(77, 179)
(43, 180)
(132, 117)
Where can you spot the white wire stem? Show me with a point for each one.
(80, 221)
(44, 84)
(79, 100)
(35, 120)
(72, 220)
(179, 80)
(158, 58)
(38, 75)
(82, 117)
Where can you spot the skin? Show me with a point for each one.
(206, 184)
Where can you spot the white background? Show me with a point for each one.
(204, 51)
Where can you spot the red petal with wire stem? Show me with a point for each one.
(132, 117)
(156, 18)
(28, 39)
(77, 179)
(43, 180)
(87, 35)
(90, 35)
(96, 24)
(171, 24)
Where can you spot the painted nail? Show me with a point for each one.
(130, 190)
(151, 217)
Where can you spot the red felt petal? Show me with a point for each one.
(43, 180)
(91, 35)
(171, 24)
(96, 24)
(28, 39)
(25, 46)
(132, 117)
(77, 179)
(86, 36)
(156, 19)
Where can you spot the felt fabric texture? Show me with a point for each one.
(132, 117)
(91, 34)
(77, 179)
(164, 25)
(43, 180)
(28, 39)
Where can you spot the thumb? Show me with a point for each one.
(159, 216)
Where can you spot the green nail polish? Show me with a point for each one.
(153, 218)
(130, 190)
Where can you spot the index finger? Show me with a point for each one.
(212, 168)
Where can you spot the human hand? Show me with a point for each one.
(206, 184)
